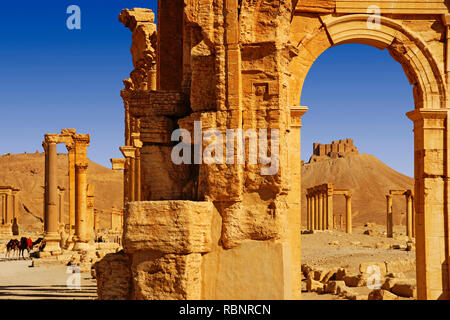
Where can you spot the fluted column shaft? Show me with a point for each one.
(348, 209)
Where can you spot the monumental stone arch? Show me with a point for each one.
(228, 231)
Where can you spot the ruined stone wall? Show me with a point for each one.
(333, 150)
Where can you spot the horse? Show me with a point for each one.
(11, 248)
(27, 244)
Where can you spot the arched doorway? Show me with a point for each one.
(429, 117)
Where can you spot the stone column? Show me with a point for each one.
(61, 205)
(71, 157)
(90, 213)
(334, 222)
(413, 218)
(80, 238)
(320, 211)
(51, 235)
(331, 221)
(348, 211)
(15, 203)
(432, 194)
(120, 164)
(307, 212)
(3, 221)
(389, 220)
(130, 174)
(9, 207)
(45, 146)
(316, 211)
(137, 144)
(312, 213)
(96, 220)
(341, 222)
(409, 215)
(294, 161)
(81, 168)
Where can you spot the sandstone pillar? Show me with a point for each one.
(45, 146)
(413, 218)
(389, 220)
(432, 194)
(341, 222)
(3, 195)
(90, 213)
(409, 215)
(81, 168)
(71, 157)
(295, 194)
(96, 221)
(51, 235)
(61, 205)
(137, 144)
(15, 204)
(130, 172)
(313, 212)
(348, 211)
(324, 211)
(320, 211)
(307, 212)
(80, 238)
(9, 208)
(330, 216)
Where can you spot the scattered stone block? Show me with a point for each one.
(313, 285)
(405, 289)
(380, 294)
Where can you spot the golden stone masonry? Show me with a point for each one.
(224, 231)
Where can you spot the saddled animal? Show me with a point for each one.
(27, 244)
(12, 248)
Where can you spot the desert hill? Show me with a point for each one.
(26, 171)
(367, 178)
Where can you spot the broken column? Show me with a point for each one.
(90, 214)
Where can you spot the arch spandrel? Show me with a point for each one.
(405, 46)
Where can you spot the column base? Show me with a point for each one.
(52, 241)
(81, 246)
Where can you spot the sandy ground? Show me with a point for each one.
(328, 249)
(20, 281)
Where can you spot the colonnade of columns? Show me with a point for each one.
(319, 204)
(9, 208)
(410, 212)
(78, 217)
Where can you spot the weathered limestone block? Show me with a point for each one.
(405, 288)
(161, 178)
(406, 265)
(251, 219)
(168, 226)
(355, 281)
(335, 287)
(379, 294)
(113, 276)
(313, 285)
(167, 277)
(371, 267)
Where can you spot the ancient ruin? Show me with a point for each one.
(225, 231)
(410, 212)
(334, 150)
(320, 215)
(9, 207)
(76, 145)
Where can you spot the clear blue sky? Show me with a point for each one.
(53, 78)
